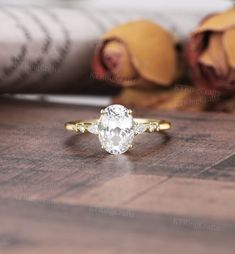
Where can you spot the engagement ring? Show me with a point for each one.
(116, 128)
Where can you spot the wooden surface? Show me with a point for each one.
(60, 193)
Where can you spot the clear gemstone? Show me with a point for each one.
(116, 129)
(152, 127)
(81, 128)
(139, 128)
(93, 128)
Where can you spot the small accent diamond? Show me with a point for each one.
(93, 128)
(152, 127)
(139, 128)
(81, 128)
(157, 127)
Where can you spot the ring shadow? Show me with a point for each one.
(82, 145)
(146, 145)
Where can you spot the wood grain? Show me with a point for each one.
(60, 193)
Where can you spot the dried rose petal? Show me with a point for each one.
(136, 53)
(211, 52)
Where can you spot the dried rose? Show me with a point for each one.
(211, 52)
(136, 53)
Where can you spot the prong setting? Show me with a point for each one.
(130, 112)
(102, 111)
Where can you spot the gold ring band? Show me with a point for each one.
(152, 125)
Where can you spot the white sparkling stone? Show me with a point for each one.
(139, 128)
(93, 128)
(152, 127)
(116, 129)
(81, 128)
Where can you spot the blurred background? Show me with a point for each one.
(202, 4)
(48, 47)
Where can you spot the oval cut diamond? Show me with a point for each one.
(116, 129)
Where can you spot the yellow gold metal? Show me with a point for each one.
(152, 125)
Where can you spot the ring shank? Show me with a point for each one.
(73, 125)
(162, 125)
